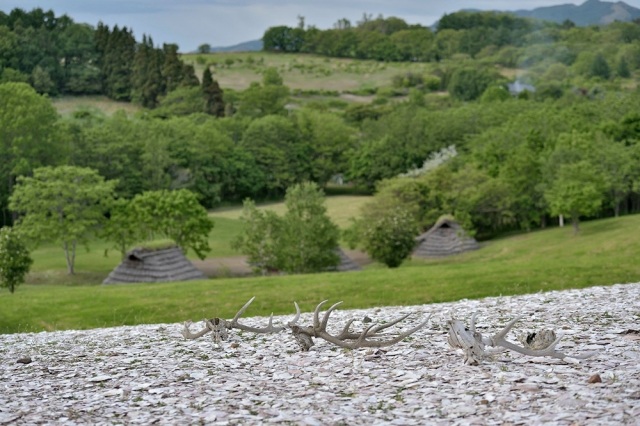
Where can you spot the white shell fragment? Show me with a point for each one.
(150, 374)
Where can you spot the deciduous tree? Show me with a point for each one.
(65, 204)
(176, 215)
(303, 240)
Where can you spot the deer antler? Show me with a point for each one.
(304, 335)
(499, 340)
(220, 327)
(473, 343)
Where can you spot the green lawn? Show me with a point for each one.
(340, 208)
(605, 252)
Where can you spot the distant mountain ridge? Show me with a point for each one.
(591, 12)
(247, 46)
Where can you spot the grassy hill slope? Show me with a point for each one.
(605, 252)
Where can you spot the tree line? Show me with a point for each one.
(509, 171)
(492, 38)
(60, 57)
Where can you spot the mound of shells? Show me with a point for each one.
(149, 374)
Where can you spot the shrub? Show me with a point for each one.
(388, 237)
(303, 240)
(15, 260)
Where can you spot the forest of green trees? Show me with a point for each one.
(571, 147)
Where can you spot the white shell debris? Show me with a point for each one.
(150, 374)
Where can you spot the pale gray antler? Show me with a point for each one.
(220, 327)
(346, 339)
(473, 343)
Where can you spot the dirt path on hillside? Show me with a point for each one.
(236, 266)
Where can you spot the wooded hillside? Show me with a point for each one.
(454, 136)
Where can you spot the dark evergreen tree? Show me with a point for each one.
(117, 63)
(213, 95)
(189, 78)
(147, 81)
(172, 68)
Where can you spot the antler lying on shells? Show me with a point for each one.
(473, 344)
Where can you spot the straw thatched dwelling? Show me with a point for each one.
(149, 265)
(445, 238)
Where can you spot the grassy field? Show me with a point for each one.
(69, 104)
(340, 209)
(237, 70)
(605, 252)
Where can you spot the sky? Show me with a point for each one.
(190, 23)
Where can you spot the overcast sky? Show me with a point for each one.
(190, 23)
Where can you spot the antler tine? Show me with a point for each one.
(325, 319)
(327, 314)
(362, 341)
(389, 324)
(187, 334)
(241, 311)
(268, 329)
(295, 319)
(316, 314)
(499, 339)
(472, 326)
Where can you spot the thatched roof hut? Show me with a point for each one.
(149, 265)
(445, 238)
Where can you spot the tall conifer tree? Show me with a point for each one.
(213, 95)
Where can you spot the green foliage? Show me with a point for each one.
(576, 191)
(180, 102)
(15, 259)
(213, 95)
(268, 98)
(468, 83)
(147, 83)
(495, 94)
(27, 137)
(259, 238)
(280, 155)
(65, 204)
(176, 215)
(309, 238)
(389, 236)
(204, 48)
(599, 67)
(123, 228)
(303, 240)
(622, 69)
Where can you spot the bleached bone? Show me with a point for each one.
(346, 339)
(220, 327)
(473, 343)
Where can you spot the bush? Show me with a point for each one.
(303, 240)
(389, 237)
(407, 80)
(15, 260)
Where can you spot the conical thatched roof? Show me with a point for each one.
(445, 238)
(145, 265)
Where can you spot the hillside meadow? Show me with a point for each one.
(304, 72)
(604, 252)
